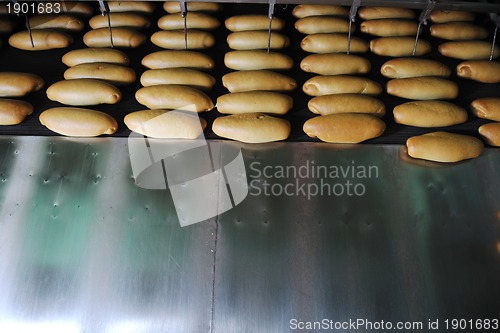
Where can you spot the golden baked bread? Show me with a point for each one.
(175, 39)
(173, 96)
(484, 71)
(346, 103)
(13, 111)
(195, 20)
(468, 50)
(251, 22)
(323, 24)
(257, 59)
(335, 64)
(423, 88)
(389, 27)
(182, 76)
(340, 84)
(65, 22)
(42, 40)
(124, 19)
(241, 81)
(490, 133)
(122, 37)
(332, 43)
(399, 46)
(254, 40)
(414, 67)
(486, 108)
(458, 31)
(95, 54)
(112, 73)
(178, 58)
(80, 92)
(429, 114)
(254, 101)
(18, 84)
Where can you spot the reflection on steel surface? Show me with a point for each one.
(83, 249)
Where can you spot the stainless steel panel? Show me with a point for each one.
(421, 244)
(82, 249)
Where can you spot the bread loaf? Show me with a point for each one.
(175, 39)
(340, 84)
(332, 43)
(251, 22)
(486, 108)
(458, 31)
(468, 50)
(194, 20)
(429, 114)
(192, 6)
(399, 46)
(13, 112)
(490, 133)
(439, 16)
(164, 124)
(172, 96)
(301, 11)
(78, 122)
(375, 13)
(241, 81)
(79, 92)
(125, 19)
(335, 64)
(389, 27)
(323, 24)
(182, 76)
(17, 84)
(64, 22)
(42, 40)
(257, 59)
(111, 73)
(252, 128)
(178, 58)
(480, 70)
(254, 101)
(444, 147)
(344, 127)
(122, 37)
(423, 88)
(145, 7)
(95, 54)
(346, 103)
(254, 40)
(413, 67)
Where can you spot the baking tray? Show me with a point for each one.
(48, 65)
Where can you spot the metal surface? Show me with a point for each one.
(82, 249)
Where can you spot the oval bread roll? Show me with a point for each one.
(323, 24)
(444, 147)
(480, 70)
(389, 27)
(335, 64)
(252, 128)
(42, 39)
(458, 31)
(95, 54)
(78, 122)
(172, 96)
(64, 22)
(486, 108)
(344, 127)
(194, 6)
(131, 6)
(413, 67)
(164, 124)
(254, 101)
(16, 84)
(178, 58)
(77, 8)
(468, 50)
(241, 81)
(80, 92)
(13, 112)
(491, 133)
(174, 39)
(332, 43)
(131, 20)
(182, 76)
(254, 40)
(122, 37)
(340, 84)
(439, 16)
(423, 88)
(429, 114)
(257, 59)
(251, 22)
(375, 13)
(194, 20)
(346, 103)
(399, 46)
(112, 73)
(301, 11)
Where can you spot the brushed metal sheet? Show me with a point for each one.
(82, 249)
(422, 243)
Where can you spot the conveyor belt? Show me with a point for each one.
(48, 65)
